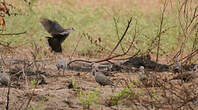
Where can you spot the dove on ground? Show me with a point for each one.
(61, 64)
(142, 75)
(4, 79)
(176, 67)
(146, 78)
(188, 75)
(100, 78)
(106, 70)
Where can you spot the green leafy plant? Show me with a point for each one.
(130, 92)
(74, 84)
(87, 99)
(32, 83)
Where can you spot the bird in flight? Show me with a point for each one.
(58, 33)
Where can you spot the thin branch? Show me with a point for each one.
(106, 59)
(117, 32)
(8, 97)
(129, 22)
(160, 30)
(76, 46)
(109, 58)
(15, 33)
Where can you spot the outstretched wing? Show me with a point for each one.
(52, 26)
(55, 44)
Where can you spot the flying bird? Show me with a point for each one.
(58, 33)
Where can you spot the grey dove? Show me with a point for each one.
(177, 68)
(146, 78)
(142, 75)
(188, 75)
(59, 34)
(4, 79)
(61, 64)
(106, 70)
(100, 77)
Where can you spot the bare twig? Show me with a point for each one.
(15, 33)
(8, 96)
(76, 47)
(115, 56)
(160, 29)
(117, 32)
(118, 43)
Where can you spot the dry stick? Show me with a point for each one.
(193, 18)
(15, 33)
(151, 47)
(6, 46)
(160, 30)
(129, 22)
(34, 55)
(129, 57)
(76, 47)
(184, 29)
(190, 55)
(117, 32)
(195, 42)
(184, 5)
(109, 58)
(100, 46)
(8, 97)
(94, 42)
(106, 59)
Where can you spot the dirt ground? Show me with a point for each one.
(56, 93)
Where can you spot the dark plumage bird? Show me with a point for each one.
(188, 75)
(59, 34)
(100, 77)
